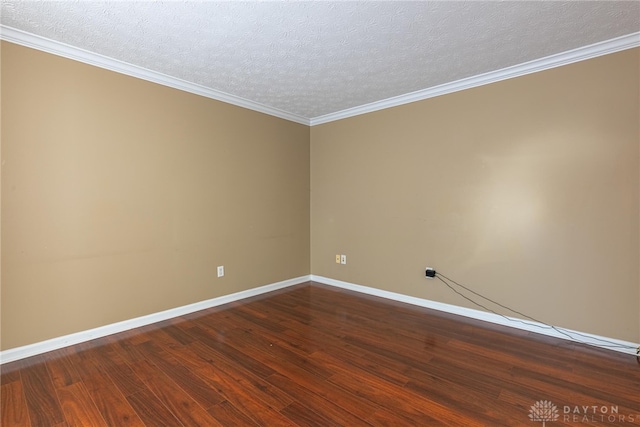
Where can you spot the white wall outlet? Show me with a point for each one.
(337, 259)
(343, 259)
(220, 270)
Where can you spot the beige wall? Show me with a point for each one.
(120, 197)
(526, 190)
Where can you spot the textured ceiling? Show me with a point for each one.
(315, 58)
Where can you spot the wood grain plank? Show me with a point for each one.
(173, 397)
(151, 411)
(257, 344)
(128, 350)
(110, 401)
(82, 360)
(125, 379)
(10, 372)
(229, 352)
(13, 408)
(187, 380)
(78, 407)
(247, 400)
(228, 415)
(360, 407)
(334, 413)
(388, 397)
(178, 332)
(303, 416)
(249, 382)
(62, 371)
(42, 401)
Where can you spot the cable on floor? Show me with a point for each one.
(571, 335)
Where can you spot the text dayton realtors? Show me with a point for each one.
(585, 414)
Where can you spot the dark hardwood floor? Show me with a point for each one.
(312, 355)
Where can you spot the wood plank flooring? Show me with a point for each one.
(313, 355)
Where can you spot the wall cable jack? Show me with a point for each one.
(430, 273)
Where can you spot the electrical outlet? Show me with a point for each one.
(220, 270)
(430, 273)
(337, 259)
(343, 259)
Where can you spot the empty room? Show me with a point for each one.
(320, 213)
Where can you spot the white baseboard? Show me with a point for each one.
(17, 353)
(586, 338)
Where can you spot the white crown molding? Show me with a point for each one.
(44, 44)
(628, 41)
(18, 353)
(539, 328)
